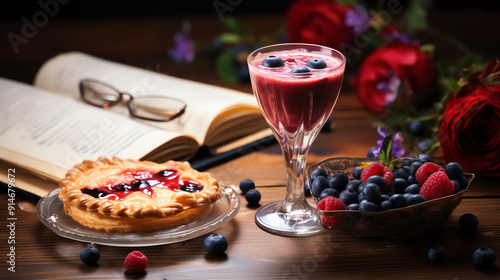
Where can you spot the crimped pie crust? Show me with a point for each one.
(164, 203)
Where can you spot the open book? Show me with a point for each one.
(47, 128)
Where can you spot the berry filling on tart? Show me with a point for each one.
(142, 180)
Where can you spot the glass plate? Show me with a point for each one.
(51, 213)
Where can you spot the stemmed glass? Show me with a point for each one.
(295, 103)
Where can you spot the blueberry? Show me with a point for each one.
(378, 180)
(468, 223)
(348, 197)
(437, 254)
(316, 63)
(329, 192)
(215, 244)
(453, 170)
(356, 172)
(90, 255)
(425, 158)
(398, 201)
(139, 184)
(415, 199)
(425, 145)
(411, 180)
(372, 193)
(318, 185)
(307, 191)
(385, 205)
(272, 61)
(246, 185)
(353, 206)
(404, 172)
(338, 181)
(413, 189)
(414, 167)
(166, 173)
(384, 197)
(456, 185)
(121, 187)
(464, 183)
(94, 192)
(300, 69)
(361, 187)
(484, 258)
(353, 185)
(398, 185)
(318, 172)
(191, 188)
(367, 206)
(361, 197)
(407, 161)
(253, 197)
(417, 128)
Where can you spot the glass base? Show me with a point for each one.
(300, 222)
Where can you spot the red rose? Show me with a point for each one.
(382, 72)
(319, 22)
(469, 131)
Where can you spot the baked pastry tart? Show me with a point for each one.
(126, 196)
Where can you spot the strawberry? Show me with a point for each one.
(136, 262)
(377, 169)
(436, 186)
(426, 170)
(330, 203)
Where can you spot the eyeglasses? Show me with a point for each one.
(151, 107)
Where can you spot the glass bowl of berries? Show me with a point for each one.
(363, 197)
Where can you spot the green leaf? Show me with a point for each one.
(347, 2)
(387, 150)
(415, 17)
(230, 38)
(225, 67)
(234, 26)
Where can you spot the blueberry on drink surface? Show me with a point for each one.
(316, 63)
(300, 69)
(272, 61)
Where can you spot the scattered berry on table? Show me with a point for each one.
(272, 61)
(316, 63)
(437, 254)
(338, 181)
(216, 244)
(377, 169)
(90, 255)
(246, 185)
(468, 222)
(356, 172)
(253, 197)
(318, 185)
(453, 170)
(426, 170)
(348, 197)
(436, 186)
(136, 262)
(484, 258)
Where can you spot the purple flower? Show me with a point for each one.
(358, 19)
(183, 50)
(390, 87)
(398, 150)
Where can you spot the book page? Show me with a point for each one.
(206, 103)
(37, 126)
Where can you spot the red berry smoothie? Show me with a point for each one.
(293, 100)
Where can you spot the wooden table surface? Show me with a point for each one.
(252, 253)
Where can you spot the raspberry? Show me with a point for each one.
(436, 186)
(377, 169)
(330, 203)
(136, 262)
(424, 171)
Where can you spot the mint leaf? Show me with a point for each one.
(387, 150)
